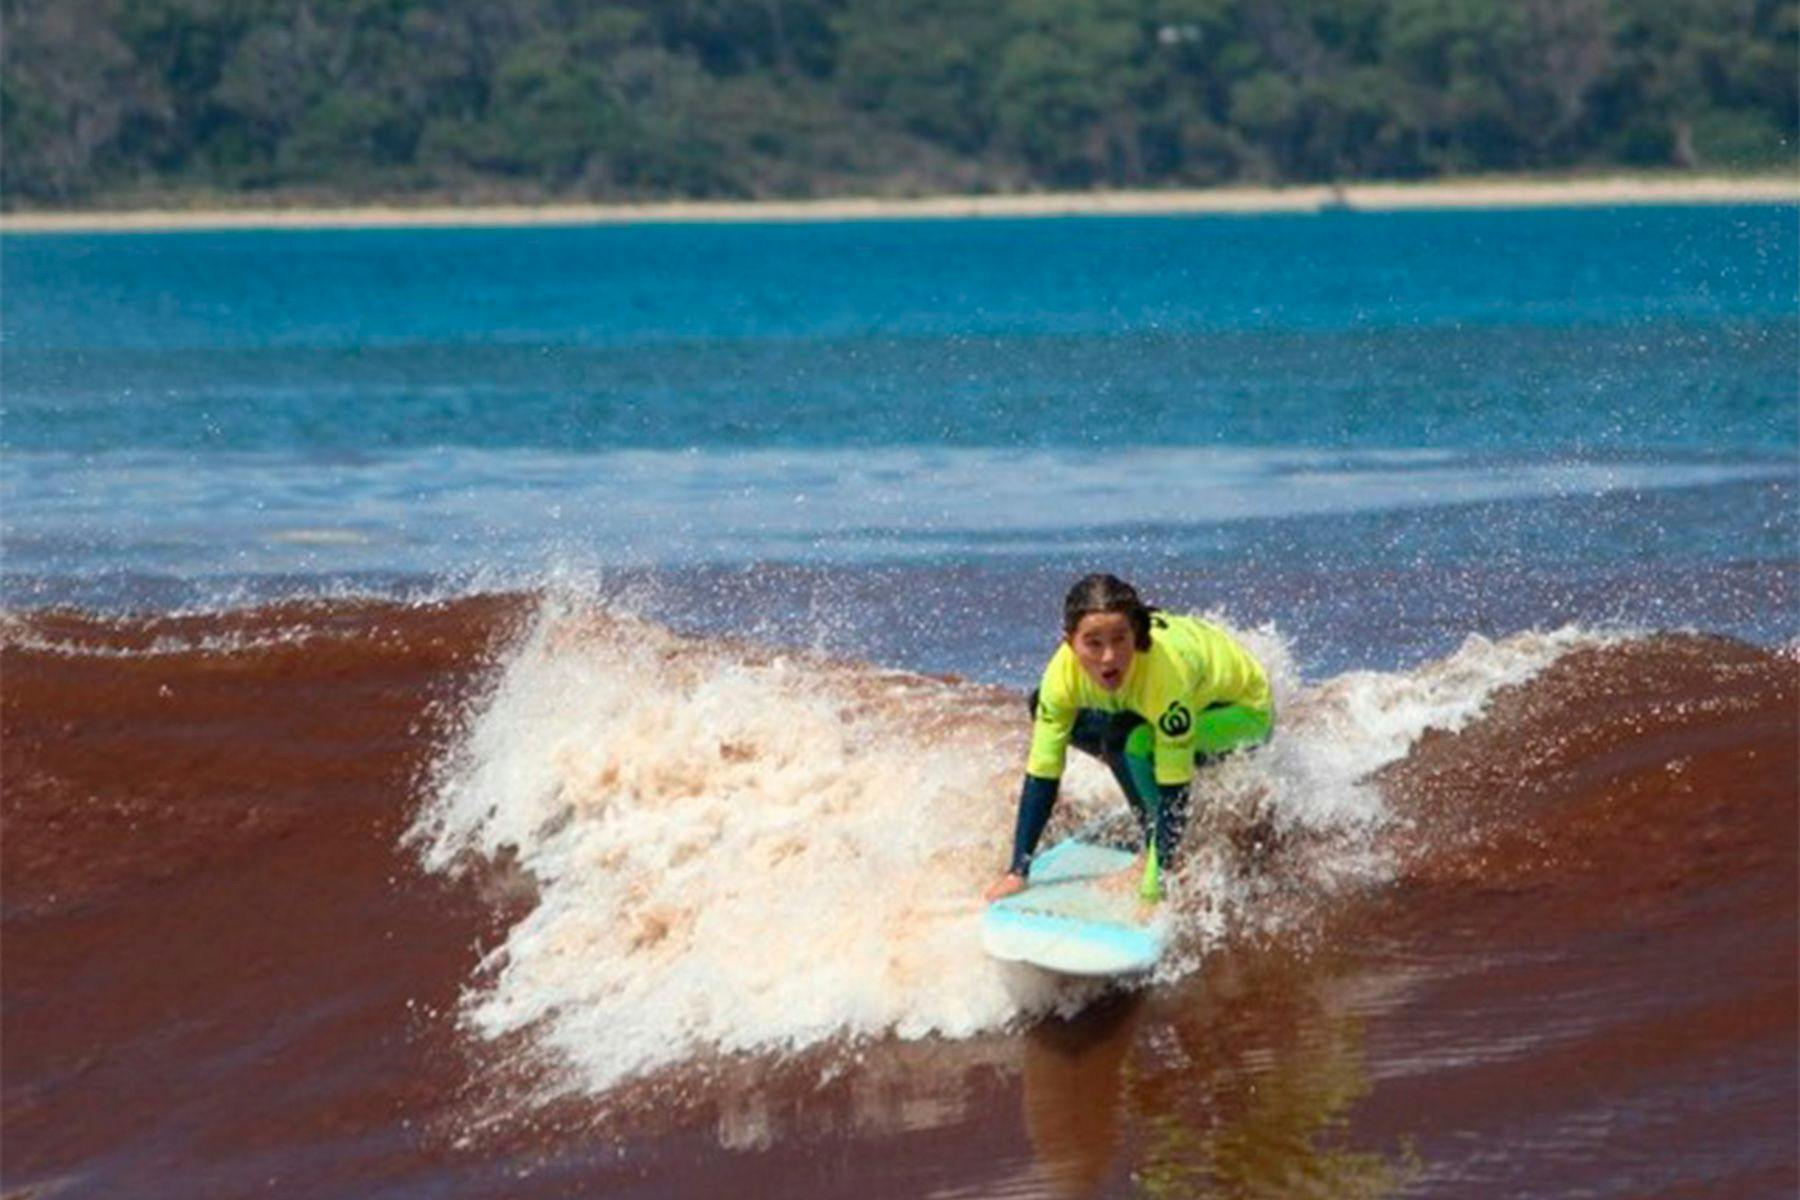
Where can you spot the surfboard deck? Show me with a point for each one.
(1067, 923)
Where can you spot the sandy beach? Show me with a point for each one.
(1377, 197)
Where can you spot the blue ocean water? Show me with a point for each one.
(1381, 432)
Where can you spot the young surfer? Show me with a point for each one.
(1148, 693)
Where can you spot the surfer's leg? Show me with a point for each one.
(1124, 746)
(1223, 728)
(1129, 756)
(1121, 741)
(1103, 735)
(1220, 730)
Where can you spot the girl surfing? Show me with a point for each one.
(1152, 695)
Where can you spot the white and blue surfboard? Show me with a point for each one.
(1066, 922)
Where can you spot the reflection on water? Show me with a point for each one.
(884, 1090)
(1074, 1072)
(1237, 1084)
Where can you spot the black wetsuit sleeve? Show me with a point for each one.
(1036, 798)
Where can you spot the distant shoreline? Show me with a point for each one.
(1371, 197)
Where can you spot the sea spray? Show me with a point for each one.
(735, 848)
(740, 849)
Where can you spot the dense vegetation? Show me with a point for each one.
(116, 101)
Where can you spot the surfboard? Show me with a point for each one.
(1066, 922)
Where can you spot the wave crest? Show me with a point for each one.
(745, 849)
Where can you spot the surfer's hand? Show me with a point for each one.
(1008, 884)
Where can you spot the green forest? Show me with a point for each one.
(118, 102)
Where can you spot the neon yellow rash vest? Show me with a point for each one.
(1191, 664)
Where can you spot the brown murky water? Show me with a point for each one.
(224, 976)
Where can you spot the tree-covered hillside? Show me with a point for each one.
(123, 101)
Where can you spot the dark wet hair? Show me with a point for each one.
(1107, 594)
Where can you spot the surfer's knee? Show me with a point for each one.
(1127, 733)
(1093, 735)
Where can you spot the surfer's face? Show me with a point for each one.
(1103, 644)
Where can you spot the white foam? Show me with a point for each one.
(735, 850)
(744, 850)
(1314, 778)
(442, 509)
(1360, 721)
(20, 632)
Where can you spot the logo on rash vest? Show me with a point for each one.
(1176, 721)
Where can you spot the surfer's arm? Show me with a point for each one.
(1037, 797)
(1052, 723)
(1171, 820)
